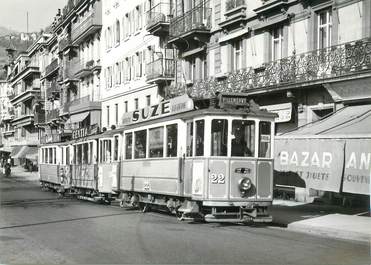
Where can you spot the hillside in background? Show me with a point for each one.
(6, 31)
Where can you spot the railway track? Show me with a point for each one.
(11, 203)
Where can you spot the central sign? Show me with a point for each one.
(164, 108)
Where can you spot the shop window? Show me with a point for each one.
(156, 142)
(172, 140)
(128, 145)
(189, 140)
(219, 137)
(265, 139)
(140, 144)
(200, 137)
(243, 138)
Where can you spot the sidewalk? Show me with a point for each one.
(323, 219)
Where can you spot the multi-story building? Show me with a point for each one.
(27, 98)
(137, 65)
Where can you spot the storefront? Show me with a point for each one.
(333, 154)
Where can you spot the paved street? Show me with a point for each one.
(37, 227)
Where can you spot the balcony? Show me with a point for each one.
(84, 104)
(332, 64)
(194, 25)
(9, 131)
(160, 71)
(39, 118)
(31, 139)
(69, 69)
(87, 69)
(25, 72)
(235, 13)
(52, 68)
(52, 115)
(158, 19)
(24, 92)
(88, 25)
(23, 119)
(65, 44)
(53, 91)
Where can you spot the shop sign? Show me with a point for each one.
(164, 108)
(357, 169)
(79, 133)
(318, 162)
(283, 110)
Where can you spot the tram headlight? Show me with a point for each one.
(244, 184)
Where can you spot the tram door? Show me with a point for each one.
(108, 160)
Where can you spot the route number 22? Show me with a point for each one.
(217, 178)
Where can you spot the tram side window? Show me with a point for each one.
(200, 136)
(128, 145)
(172, 140)
(243, 140)
(79, 154)
(50, 156)
(91, 157)
(54, 156)
(219, 137)
(265, 139)
(189, 140)
(156, 142)
(116, 148)
(67, 155)
(85, 153)
(140, 144)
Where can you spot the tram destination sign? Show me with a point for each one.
(164, 108)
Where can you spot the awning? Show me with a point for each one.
(332, 154)
(32, 156)
(6, 149)
(348, 121)
(25, 150)
(75, 118)
(15, 150)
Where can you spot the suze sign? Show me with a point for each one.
(164, 108)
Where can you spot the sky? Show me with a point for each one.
(13, 13)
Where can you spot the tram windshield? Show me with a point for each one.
(243, 138)
(219, 137)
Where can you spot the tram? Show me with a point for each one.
(209, 159)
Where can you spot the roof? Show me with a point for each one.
(346, 122)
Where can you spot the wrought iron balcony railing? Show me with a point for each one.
(160, 68)
(90, 23)
(321, 65)
(53, 90)
(39, 118)
(51, 67)
(198, 18)
(160, 13)
(232, 4)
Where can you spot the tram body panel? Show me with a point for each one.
(49, 173)
(265, 179)
(108, 177)
(242, 168)
(161, 176)
(84, 176)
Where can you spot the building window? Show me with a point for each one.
(136, 103)
(118, 30)
(148, 100)
(277, 40)
(324, 28)
(237, 55)
(108, 116)
(126, 106)
(192, 70)
(117, 113)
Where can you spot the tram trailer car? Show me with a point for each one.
(54, 170)
(215, 163)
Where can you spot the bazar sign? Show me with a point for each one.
(318, 162)
(164, 108)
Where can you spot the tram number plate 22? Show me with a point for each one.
(217, 178)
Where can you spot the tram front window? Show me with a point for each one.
(172, 140)
(156, 142)
(219, 136)
(243, 138)
(265, 139)
(200, 136)
(140, 144)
